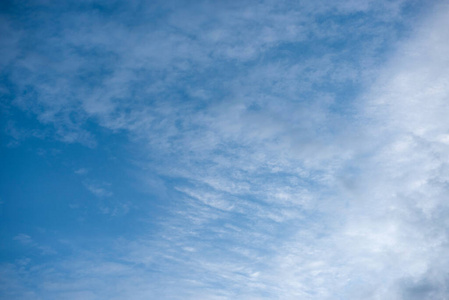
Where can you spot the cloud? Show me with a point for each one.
(26, 240)
(93, 62)
(278, 178)
(393, 230)
(81, 171)
(23, 239)
(99, 190)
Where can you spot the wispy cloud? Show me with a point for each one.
(99, 190)
(286, 161)
(27, 241)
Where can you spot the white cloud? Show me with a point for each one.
(23, 239)
(26, 240)
(390, 237)
(100, 190)
(81, 171)
(277, 199)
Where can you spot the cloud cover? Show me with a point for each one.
(289, 164)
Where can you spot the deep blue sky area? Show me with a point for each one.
(224, 150)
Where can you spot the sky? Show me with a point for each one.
(224, 150)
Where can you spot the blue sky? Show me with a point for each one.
(224, 150)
